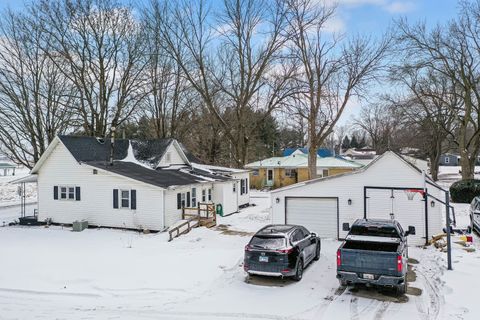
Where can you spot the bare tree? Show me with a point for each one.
(99, 46)
(171, 99)
(380, 123)
(431, 105)
(35, 97)
(331, 71)
(454, 52)
(235, 74)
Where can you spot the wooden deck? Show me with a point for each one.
(203, 215)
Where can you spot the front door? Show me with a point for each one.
(269, 177)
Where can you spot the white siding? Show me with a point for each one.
(172, 214)
(175, 157)
(389, 171)
(243, 199)
(96, 204)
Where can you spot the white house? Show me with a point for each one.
(374, 191)
(142, 184)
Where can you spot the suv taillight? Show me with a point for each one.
(248, 248)
(287, 251)
(399, 263)
(339, 258)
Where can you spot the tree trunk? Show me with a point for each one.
(467, 164)
(434, 166)
(312, 159)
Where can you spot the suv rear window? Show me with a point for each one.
(267, 242)
(374, 231)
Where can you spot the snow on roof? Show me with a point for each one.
(131, 158)
(215, 169)
(303, 183)
(301, 161)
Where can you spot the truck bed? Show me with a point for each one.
(370, 257)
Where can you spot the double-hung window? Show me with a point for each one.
(209, 194)
(194, 197)
(204, 195)
(66, 193)
(125, 200)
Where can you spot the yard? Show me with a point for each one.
(52, 272)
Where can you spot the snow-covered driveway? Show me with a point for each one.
(53, 273)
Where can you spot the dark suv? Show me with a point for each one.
(281, 250)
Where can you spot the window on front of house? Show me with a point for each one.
(290, 173)
(125, 199)
(63, 193)
(66, 193)
(209, 194)
(447, 160)
(204, 195)
(194, 197)
(255, 173)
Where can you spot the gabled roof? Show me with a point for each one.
(163, 178)
(301, 161)
(134, 159)
(322, 152)
(363, 169)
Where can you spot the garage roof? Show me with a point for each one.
(363, 169)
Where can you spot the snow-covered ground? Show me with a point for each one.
(8, 192)
(53, 273)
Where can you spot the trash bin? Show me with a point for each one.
(220, 209)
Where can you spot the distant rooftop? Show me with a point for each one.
(299, 160)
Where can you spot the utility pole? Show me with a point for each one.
(449, 241)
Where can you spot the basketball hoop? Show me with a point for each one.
(412, 192)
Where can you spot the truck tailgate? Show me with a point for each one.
(365, 261)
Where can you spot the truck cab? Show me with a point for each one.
(374, 253)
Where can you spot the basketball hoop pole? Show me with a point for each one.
(449, 241)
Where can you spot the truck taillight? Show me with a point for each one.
(399, 263)
(339, 258)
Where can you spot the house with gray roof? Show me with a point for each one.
(134, 184)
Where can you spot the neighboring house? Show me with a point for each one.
(374, 191)
(278, 172)
(322, 152)
(359, 154)
(144, 187)
(449, 159)
(7, 168)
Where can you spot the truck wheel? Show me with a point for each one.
(402, 289)
(317, 252)
(299, 271)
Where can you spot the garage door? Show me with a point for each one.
(319, 215)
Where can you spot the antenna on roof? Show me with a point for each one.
(112, 144)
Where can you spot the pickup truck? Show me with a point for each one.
(374, 253)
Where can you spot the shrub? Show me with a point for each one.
(463, 191)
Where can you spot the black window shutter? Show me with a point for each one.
(242, 186)
(133, 199)
(115, 198)
(179, 201)
(55, 192)
(188, 199)
(77, 193)
(246, 185)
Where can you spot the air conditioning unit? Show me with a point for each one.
(79, 226)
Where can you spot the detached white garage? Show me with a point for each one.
(379, 190)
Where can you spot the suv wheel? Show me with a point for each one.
(317, 252)
(299, 271)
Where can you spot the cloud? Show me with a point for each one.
(391, 6)
(335, 25)
(400, 7)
